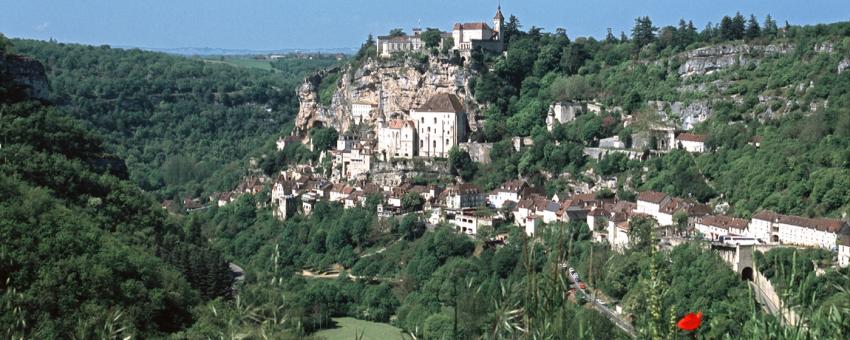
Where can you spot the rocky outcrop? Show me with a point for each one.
(709, 59)
(27, 74)
(843, 65)
(395, 86)
(686, 114)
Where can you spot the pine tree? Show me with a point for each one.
(770, 28)
(753, 29)
(623, 37)
(610, 38)
(726, 31)
(708, 33)
(643, 33)
(738, 26)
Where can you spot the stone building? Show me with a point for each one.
(389, 45)
(440, 125)
(474, 35)
(562, 113)
(397, 139)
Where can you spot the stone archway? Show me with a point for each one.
(774, 239)
(747, 274)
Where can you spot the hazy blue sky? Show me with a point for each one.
(272, 24)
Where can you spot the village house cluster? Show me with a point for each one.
(468, 209)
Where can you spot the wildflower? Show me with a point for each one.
(690, 322)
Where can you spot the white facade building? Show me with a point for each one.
(714, 226)
(361, 111)
(512, 191)
(473, 35)
(795, 230)
(397, 139)
(691, 142)
(844, 250)
(440, 125)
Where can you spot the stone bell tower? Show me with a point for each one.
(498, 20)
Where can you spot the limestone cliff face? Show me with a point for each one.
(26, 73)
(712, 58)
(398, 86)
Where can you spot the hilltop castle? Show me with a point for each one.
(466, 37)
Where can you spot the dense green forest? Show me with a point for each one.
(184, 126)
(85, 253)
(802, 167)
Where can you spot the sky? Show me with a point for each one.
(315, 24)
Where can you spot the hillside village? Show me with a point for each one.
(480, 180)
(425, 135)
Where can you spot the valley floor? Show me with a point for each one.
(351, 328)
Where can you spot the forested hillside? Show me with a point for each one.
(184, 126)
(786, 86)
(85, 253)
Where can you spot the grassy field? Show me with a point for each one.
(245, 62)
(348, 328)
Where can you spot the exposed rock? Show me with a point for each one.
(478, 152)
(709, 59)
(843, 65)
(26, 73)
(825, 47)
(397, 171)
(687, 115)
(395, 86)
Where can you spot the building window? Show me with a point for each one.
(435, 120)
(435, 144)
(421, 144)
(447, 141)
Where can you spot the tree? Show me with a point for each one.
(461, 164)
(610, 38)
(738, 26)
(753, 29)
(410, 227)
(770, 28)
(726, 31)
(397, 32)
(367, 49)
(411, 201)
(643, 33)
(680, 219)
(5, 45)
(431, 37)
(640, 233)
(323, 138)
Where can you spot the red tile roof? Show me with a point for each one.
(724, 222)
(471, 26)
(400, 123)
(651, 196)
(822, 224)
(442, 102)
(690, 137)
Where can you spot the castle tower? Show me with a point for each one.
(499, 21)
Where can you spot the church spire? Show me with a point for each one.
(499, 15)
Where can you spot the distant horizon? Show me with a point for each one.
(263, 25)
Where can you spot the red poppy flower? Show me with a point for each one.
(690, 322)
